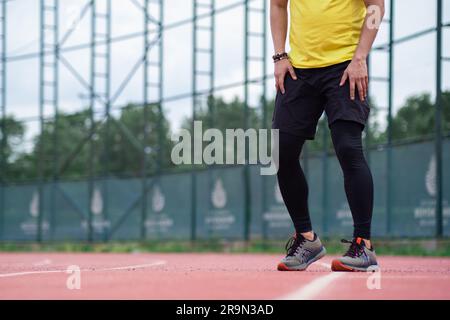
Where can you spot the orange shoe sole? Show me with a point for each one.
(337, 265)
(283, 267)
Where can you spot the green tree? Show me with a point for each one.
(417, 117)
(13, 133)
(126, 140)
(224, 115)
(67, 151)
(68, 154)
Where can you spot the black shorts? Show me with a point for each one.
(298, 110)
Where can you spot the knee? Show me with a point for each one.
(346, 150)
(350, 155)
(289, 151)
(287, 159)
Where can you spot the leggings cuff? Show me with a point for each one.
(303, 228)
(361, 234)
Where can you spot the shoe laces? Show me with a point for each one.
(355, 250)
(294, 243)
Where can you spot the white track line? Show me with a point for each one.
(139, 266)
(313, 288)
(25, 273)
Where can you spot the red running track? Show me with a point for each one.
(214, 276)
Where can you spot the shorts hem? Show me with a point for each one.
(296, 133)
(361, 122)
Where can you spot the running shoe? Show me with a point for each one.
(301, 252)
(357, 258)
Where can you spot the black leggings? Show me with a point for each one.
(358, 181)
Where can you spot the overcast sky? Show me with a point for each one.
(414, 60)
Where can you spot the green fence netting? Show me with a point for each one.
(216, 209)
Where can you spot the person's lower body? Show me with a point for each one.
(296, 116)
(346, 136)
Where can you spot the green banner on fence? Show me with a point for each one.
(161, 207)
(220, 203)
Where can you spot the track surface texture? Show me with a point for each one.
(213, 276)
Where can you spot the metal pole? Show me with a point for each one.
(194, 116)
(40, 165)
(160, 89)
(159, 99)
(438, 119)
(107, 154)
(56, 118)
(212, 63)
(92, 124)
(146, 126)
(325, 179)
(264, 113)
(389, 120)
(210, 100)
(247, 200)
(3, 124)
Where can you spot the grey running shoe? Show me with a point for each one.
(301, 253)
(357, 258)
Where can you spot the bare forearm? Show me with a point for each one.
(279, 24)
(370, 28)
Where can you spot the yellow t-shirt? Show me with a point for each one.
(324, 32)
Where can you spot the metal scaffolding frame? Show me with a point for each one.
(48, 97)
(438, 120)
(152, 89)
(102, 100)
(253, 11)
(202, 74)
(99, 95)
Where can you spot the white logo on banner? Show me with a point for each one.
(219, 218)
(219, 196)
(97, 202)
(34, 205)
(30, 225)
(162, 222)
(430, 177)
(99, 223)
(425, 212)
(158, 200)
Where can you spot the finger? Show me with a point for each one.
(292, 72)
(277, 87)
(367, 86)
(281, 84)
(360, 89)
(344, 78)
(364, 84)
(352, 89)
